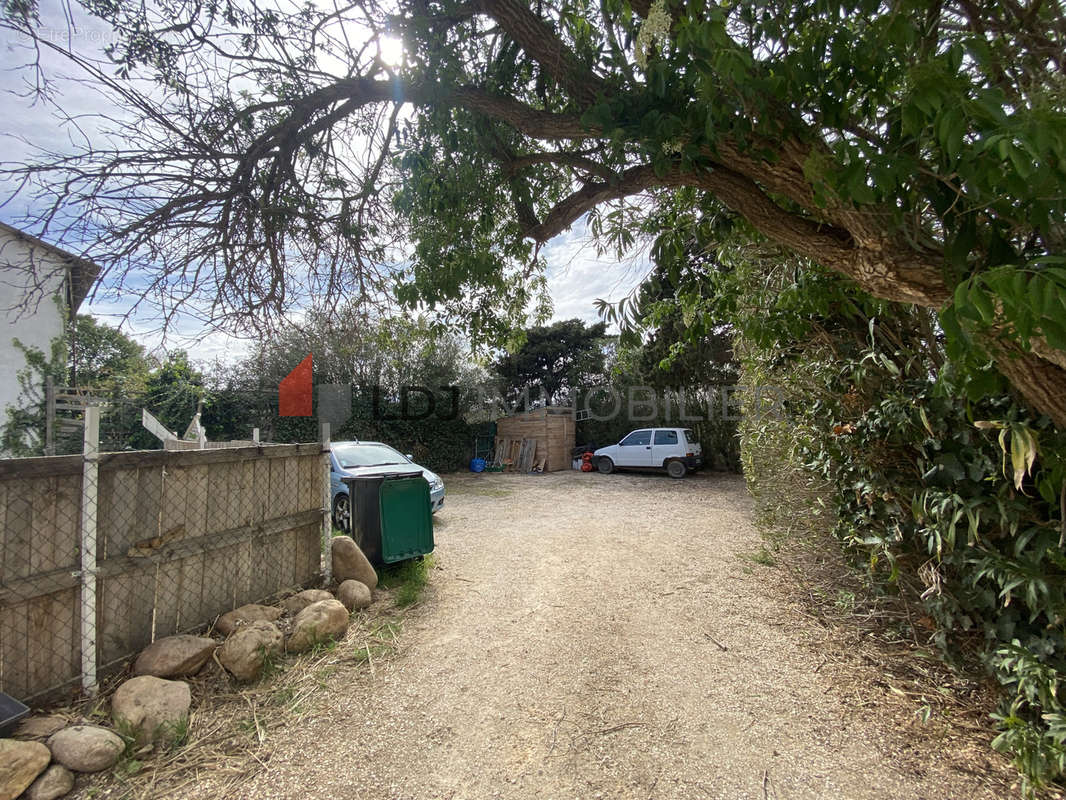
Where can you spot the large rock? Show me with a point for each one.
(86, 748)
(319, 622)
(298, 602)
(153, 708)
(353, 595)
(20, 764)
(253, 612)
(350, 563)
(245, 652)
(53, 783)
(175, 656)
(40, 727)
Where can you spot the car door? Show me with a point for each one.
(635, 450)
(664, 445)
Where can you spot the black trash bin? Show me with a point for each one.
(391, 517)
(11, 711)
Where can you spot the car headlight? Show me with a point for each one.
(436, 483)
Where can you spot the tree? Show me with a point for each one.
(377, 357)
(553, 363)
(106, 360)
(174, 393)
(917, 147)
(676, 340)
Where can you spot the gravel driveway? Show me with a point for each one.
(595, 636)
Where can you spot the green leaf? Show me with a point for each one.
(1022, 452)
(982, 301)
(1054, 332)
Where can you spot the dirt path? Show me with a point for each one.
(604, 636)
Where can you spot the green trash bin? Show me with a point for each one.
(391, 516)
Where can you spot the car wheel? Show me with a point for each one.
(342, 512)
(605, 465)
(676, 469)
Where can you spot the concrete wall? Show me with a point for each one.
(33, 281)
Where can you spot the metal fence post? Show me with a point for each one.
(327, 511)
(89, 485)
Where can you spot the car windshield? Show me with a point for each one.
(367, 455)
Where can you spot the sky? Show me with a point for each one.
(576, 275)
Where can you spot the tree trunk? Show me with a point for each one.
(1041, 383)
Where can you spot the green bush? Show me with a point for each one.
(940, 484)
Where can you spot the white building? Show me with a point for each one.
(41, 288)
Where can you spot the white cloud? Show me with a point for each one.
(577, 275)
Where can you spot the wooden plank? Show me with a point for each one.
(299, 555)
(67, 650)
(241, 588)
(168, 588)
(246, 493)
(113, 618)
(312, 471)
(147, 518)
(268, 577)
(18, 531)
(48, 637)
(527, 454)
(287, 557)
(217, 580)
(128, 616)
(217, 496)
(157, 458)
(196, 491)
(173, 503)
(274, 498)
(68, 513)
(129, 509)
(261, 480)
(292, 486)
(231, 505)
(312, 539)
(15, 643)
(36, 585)
(39, 466)
(155, 427)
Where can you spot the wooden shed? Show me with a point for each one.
(550, 430)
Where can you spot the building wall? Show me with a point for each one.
(33, 282)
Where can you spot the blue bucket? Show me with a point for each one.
(477, 465)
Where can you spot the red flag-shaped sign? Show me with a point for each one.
(294, 391)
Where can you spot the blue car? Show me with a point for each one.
(352, 459)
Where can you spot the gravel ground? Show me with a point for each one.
(609, 636)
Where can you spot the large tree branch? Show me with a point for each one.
(632, 181)
(1041, 382)
(880, 266)
(523, 118)
(574, 160)
(542, 44)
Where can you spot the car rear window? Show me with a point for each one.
(665, 437)
(690, 437)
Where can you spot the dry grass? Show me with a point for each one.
(859, 628)
(232, 725)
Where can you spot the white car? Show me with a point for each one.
(673, 449)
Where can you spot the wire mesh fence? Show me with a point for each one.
(103, 553)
